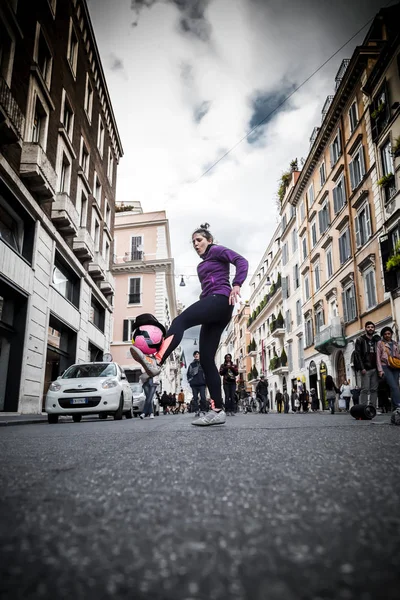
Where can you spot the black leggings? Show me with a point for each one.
(213, 313)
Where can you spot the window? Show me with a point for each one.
(134, 290)
(7, 47)
(17, 228)
(302, 211)
(11, 228)
(329, 263)
(290, 356)
(84, 158)
(285, 254)
(107, 215)
(96, 234)
(88, 106)
(339, 196)
(39, 124)
(308, 329)
(136, 247)
(344, 246)
(83, 211)
(311, 195)
(370, 288)
(283, 223)
(67, 115)
(97, 189)
(72, 51)
(317, 276)
(300, 352)
(110, 166)
(357, 168)
(288, 321)
(97, 314)
(43, 56)
(106, 252)
(349, 303)
(304, 247)
(65, 175)
(296, 276)
(333, 309)
(319, 319)
(294, 240)
(379, 112)
(100, 136)
(388, 170)
(323, 217)
(128, 329)
(353, 116)
(285, 287)
(65, 281)
(322, 174)
(313, 234)
(306, 288)
(363, 226)
(298, 312)
(335, 149)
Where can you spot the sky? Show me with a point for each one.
(188, 79)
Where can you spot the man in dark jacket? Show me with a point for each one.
(365, 361)
(229, 372)
(197, 381)
(262, 393)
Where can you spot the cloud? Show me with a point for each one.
(265, 106)
(116, 63)
(192, 19)
(201, 111)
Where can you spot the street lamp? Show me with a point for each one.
(182, 283)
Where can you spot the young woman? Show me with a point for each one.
(387, 347)
(213, 312)
(331, 391)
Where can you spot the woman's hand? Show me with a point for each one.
(234, 296)
(380, 373)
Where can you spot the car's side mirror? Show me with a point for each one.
(123, 376)
(59, 377)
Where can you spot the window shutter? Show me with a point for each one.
(344, 304)
(287, 286)
(335, 201)
(353, 303)
(368, 221)
(357, 228)
(320, 222)
(362, 162)
(125, 333)
(341, 250)
(284, 287)
(352, 179)
(348, 244)
(339, 143)
(331, 155)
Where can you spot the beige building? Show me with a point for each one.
(143, 269)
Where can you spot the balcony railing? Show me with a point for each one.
(342, 70)
(329, 338)
(11, 108)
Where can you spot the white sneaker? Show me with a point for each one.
(148, 363)
(142, 416)
(211, 418)
(151, 416)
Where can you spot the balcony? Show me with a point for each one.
(278, 365)
(330, 338)
(107, 286)
(83, 245)
(12, 121)
(340, 74)
(36, 170)
(277, 328)
(98, 267)
(64, 215)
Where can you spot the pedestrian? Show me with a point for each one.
(164, 402)
(149, 388)
(345, 390)
(181, 401)
(331, 391)
(384, 402)
(365, 361)
(355, 394)
(388, 363)
(197, 382)
(213, 312)
(305, 400)
(229, 372)
(314, 400)
(293, 397)
(279, 401)
(262, 393)
(286, 400)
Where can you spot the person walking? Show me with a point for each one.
(345, 390)
(355, 394)
(365, 361)
(197, 382)
(279, 401)
(229, 372)
(149, 388)
(164, 402)
(314, 400)
(213, 312)
(286, 401)
(181, 401)
(262, 393)
(293, 398)
(331, 391)
(387, 353)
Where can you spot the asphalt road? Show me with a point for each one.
(292, 507)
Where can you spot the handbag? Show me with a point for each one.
(393, 362)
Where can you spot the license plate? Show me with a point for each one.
(79, 401)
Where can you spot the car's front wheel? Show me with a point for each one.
(135, 415)
(128, 414)
(77, 418)
(120, 410)
(52, 419)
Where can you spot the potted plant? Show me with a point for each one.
(375, 114)
(283, 358)
(393, 263)
(255, 372)
(279, 320)
(386, 180)
(396, 147)
(279, 281)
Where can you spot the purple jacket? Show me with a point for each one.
(213, 272)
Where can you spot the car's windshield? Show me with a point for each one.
(136, 387)
(91, 370)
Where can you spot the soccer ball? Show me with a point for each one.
(148, 338)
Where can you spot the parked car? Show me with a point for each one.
(139, 398)
(90, 388)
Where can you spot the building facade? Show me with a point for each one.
(59, 151)
(143, 269)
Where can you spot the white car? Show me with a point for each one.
(90, 388)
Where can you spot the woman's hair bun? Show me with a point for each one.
(205, 226)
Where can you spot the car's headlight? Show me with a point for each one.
(55, 387)
(109, 383)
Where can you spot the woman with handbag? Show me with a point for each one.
(388, 363)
